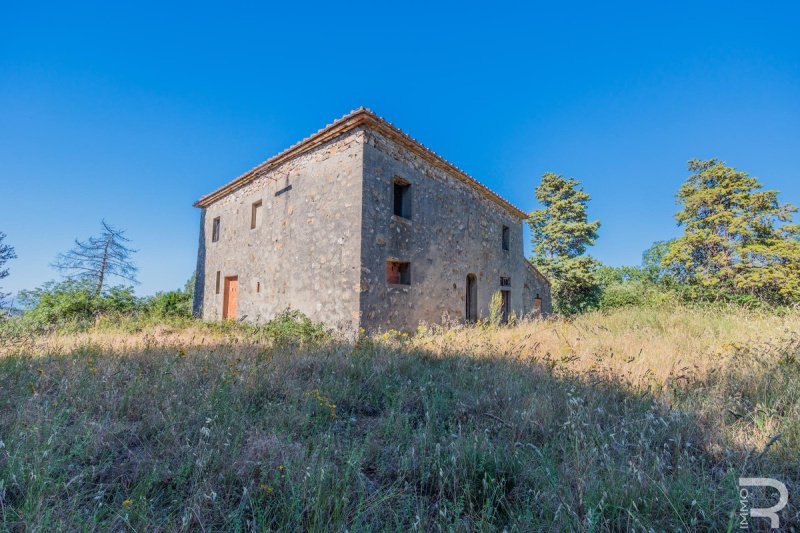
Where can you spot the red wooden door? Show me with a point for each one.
(230, 297)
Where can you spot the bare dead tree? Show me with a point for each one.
(6, 254)
(99, 257)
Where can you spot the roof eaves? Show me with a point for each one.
(438, 160)
(356, 118)
(323, 135)
(537, 272)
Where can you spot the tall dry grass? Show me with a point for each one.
(637, 419)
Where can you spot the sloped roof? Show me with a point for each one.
(536, 272)
(366, 118)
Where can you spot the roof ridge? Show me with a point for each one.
(319, 137)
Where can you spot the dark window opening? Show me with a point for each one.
(258, 286)
(402, 198)
(255, 214)
(471, 311)
(218, 279)
(215, 230)
(505, 282)
(398, 272)
(506, 237)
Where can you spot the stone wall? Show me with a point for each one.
(453, 231)
(326, 229)
(305, 252)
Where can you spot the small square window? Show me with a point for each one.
(215, 230)
(218, 280)
(398, 272)
(402, 198)
(506, 237)
(505, 282)
(255, 214)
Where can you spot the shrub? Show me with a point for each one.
(74, 301)
(496, 309)
(635, 286)
(293, 326)
(170, 304)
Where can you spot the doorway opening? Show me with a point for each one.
(230, 297)
(471, 311)
(506, 305)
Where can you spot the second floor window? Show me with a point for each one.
(255, 214)
(402, 198)
(215, 230)
(506, 237)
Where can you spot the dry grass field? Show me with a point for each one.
(639, 419)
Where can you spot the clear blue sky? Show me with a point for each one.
(130, 111)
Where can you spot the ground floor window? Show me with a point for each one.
(398, 272)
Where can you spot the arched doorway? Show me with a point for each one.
(471, 310)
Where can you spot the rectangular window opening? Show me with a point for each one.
(218, 281)
(255, 214)
(258, 286)
(506, 237)
(402, 198)
(215, 230)
(398, 272)
(505, 282)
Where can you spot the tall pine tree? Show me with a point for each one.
(738, 239)
(560, 235)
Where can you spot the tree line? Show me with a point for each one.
(738, 244)
(87, 291)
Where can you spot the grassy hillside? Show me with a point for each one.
(640, 418)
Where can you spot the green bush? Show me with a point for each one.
(622, 295)
(170, 304)
(75, 301)
(635, 286)
(73, 306)
(496, 309)
(293, 326)
(636, 293)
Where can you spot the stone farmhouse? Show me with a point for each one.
(359, 225)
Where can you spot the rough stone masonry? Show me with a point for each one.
(360, 225)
